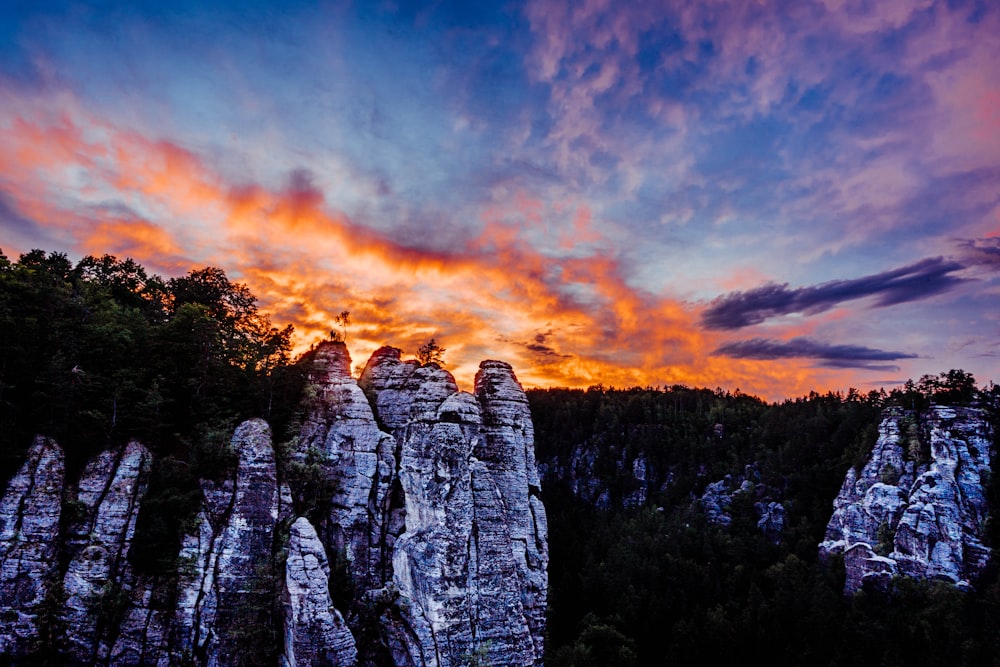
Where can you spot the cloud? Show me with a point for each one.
(541, 349)
(526, 191)
(827, 355)
(982, 252)
(18, 231)
(908, 283)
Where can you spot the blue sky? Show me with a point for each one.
(775, 196)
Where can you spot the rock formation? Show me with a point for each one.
(468, 533)
(717, 497)
(29, 530)
(315, 632)
(225, 584)
(918, 507)
(432, 513)
(341, 435)
(633, 484)
(98, 578)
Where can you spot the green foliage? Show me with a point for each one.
(167, 513)
(109, 605)
(479, 657)
(885, 539)
(599, 644)
(342, 320)
(311, 478)
(254, 636)
(955, 386)
(915, 450)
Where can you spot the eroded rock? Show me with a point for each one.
(98, 580)
(918, 506)
(29, 531)
(315, 632)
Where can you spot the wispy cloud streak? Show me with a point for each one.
(908, 283)
(830, 356)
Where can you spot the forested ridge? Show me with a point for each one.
(656, 582)
(99, 352)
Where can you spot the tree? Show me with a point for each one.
(343, 320)
(431, 353)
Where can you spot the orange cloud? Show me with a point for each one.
(508, 292)
(137, 239)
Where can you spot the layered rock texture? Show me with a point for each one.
(429, 530)
(918, 507)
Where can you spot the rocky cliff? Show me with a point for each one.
(918, 507)
(431, 514)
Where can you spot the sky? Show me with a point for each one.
(775, 197)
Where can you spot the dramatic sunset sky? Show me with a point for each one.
(771, 196)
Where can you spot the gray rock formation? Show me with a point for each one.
(29, 530)
(433, 510)
(98, 581)
(315, 632)
(231, 590)
(918, 506)
(341, 434)
(508, 452)
(716, 499)
(771, 519)
(465, 528)
(636, 479)
(222, 605)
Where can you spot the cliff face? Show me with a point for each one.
(465, 529)
(918, 507)
(433, 509)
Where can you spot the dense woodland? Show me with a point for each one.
(99, 352)
(659, 584)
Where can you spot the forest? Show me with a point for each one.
(659, 583)
(99, 352)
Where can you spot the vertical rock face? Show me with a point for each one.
(340, 430)
(97, 580)
(225, 586)
(718, 496)
(315, 632)
(431, 558)
(29, 530)
(508, 452)
(635, 483)
(226, 595)
(434, 520)
(470, 556)
(918, 506)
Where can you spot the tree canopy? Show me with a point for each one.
(100, 352)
